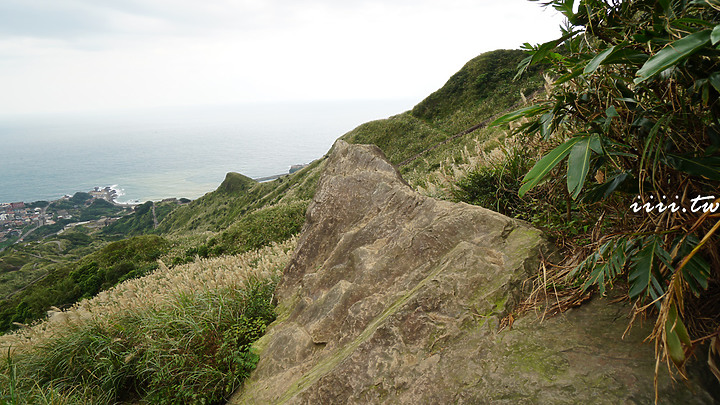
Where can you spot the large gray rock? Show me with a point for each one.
(393, 297)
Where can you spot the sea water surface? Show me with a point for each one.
(170, 152)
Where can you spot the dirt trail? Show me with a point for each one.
(155, 221)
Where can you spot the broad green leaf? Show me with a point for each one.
(641, 269)
(618, 258)
(625, 154)
(706, 95)
(674, 347)
(656, 290)
(682, 332)
(675, 336)
(523, 112)
(671, 54)
(611, 112)
(565, 7)
(579, 163)
(529, 127)
(569, 76)
(707, 167)
(544, 49)
(588, 262)
(626, 55)
(652, 141)
(714, 80)
(683, 22)
(602, 191)
(677, 326)
(597, 276)
(664, 256)
(699, 270)
(597, 60)
(696, 271)
(617, 54)
(545, 165)
(546, 124)
(522, 66)
(715, 36)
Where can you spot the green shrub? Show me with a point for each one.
(194, 350)
(253, 231)
(11, 262)
(101, 270)
(635, 107)
(80, 198)
(496, 186)
(264, 226)
(99, 208)
(76, 238)
(46, 230)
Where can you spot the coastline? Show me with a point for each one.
(113, 192)
(19, 219)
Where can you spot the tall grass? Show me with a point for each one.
(495, 186)
(178, 335)
(491, 151)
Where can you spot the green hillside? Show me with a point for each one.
(142, 221)
(242, 215)
(63, 285)
(239, 195)
(629, 110)
(452, 118)
(437, 129)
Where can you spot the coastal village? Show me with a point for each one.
(15, 216)
(19, 218)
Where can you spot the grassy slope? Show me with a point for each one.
(243, 214)
(237, 196)
(177, 336)
(65, 283)
(142, 220)
(483, 88)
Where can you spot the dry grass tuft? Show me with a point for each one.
(440, 182)
(157, 290)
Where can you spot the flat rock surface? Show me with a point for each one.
(393, 297)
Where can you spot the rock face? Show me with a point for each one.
(393, 297)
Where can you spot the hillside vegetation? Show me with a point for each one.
(630, 129)
(179, 335)
(483, 88)
(238, 195)
(169, 314)
(65, 284)
(439, 141)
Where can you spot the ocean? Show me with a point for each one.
(170, 152)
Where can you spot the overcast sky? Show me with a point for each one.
(85, 55)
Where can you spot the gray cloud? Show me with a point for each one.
(48, 19)
(104, 54)
(74, 19)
